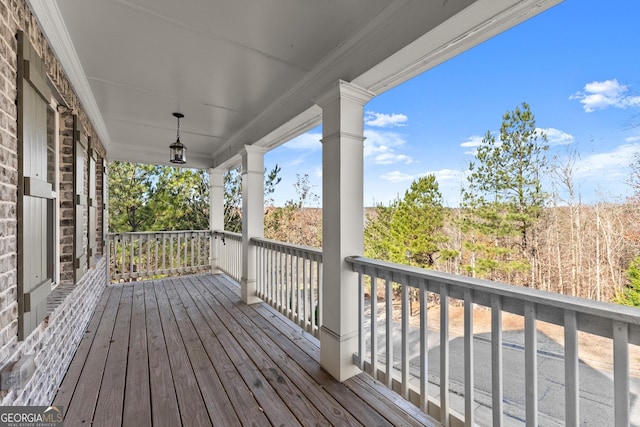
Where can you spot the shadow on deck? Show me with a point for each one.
(187, 351)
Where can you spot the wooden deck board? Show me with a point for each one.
(214, 395)
(187, 351)
(275, 408)
(293, 362)
(164, 404)
(290, 384)
(110, 402)
(293, 348)
(137, 407)
(193, 411)
(85, 395)
(246, 406)
(65, 392)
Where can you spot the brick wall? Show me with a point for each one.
(8, 181)
(100, 223)
(54, 342)
(66, 197)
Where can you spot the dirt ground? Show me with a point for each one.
(595, 351)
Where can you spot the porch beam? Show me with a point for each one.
(252, 217)
(216, 211)
(342, 106)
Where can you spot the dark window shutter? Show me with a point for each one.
(35, 199)
(79, 247)
(105, 199)
(93, 208)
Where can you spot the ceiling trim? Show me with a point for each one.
(53, 27)
(297, 126)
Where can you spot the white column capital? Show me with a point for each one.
(253, 158)
(343, 90)
(215, 172)
(252, 149)
(343, 137)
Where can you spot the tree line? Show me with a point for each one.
(509, 229)
(156, 198)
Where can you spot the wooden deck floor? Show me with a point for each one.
(187, 351)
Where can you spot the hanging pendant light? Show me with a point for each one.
(177, 150)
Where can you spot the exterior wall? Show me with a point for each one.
(54, 342)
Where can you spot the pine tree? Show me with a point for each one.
(631, 294)
(503, 198)
(130, 186)
(416, 225)
(377, 231)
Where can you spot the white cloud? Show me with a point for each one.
(391, 158)
(442, 176)
(307, 141)
(557, 137)
(607, 166)
(473, 141)
(382, 120)
(295, 162)
(397, 176)
(382, 147)
(632, 139)
(604, 94)
(554, 137)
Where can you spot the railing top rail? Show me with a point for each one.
(259, 241)
(414, 275)
(237, 236)
(142, 233)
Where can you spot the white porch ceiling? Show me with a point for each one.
(247, 71)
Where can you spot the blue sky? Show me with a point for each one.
(577, 65)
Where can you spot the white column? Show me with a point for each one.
(216, 211)
(342, 223)
(252, 217)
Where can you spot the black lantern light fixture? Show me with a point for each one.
(178, 152)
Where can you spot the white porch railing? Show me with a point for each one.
(227, 250)
(378, 355)
(289, 278)
(145, 255)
